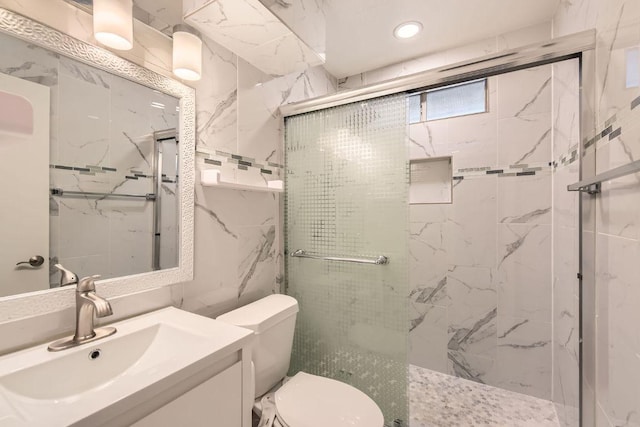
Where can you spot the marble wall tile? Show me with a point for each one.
(306, 18)
(524, 93)
(428, 336)
(472, 310)
(618, 297)
(566, 106)
(524, 271)
(217, 99)
(236, 228)
(574, 16)
(130, 248)
(566, 391)
(617, 208)
(428, 139)
(465, 283)
(472, 140)
(257, 267)
(427, 255)
(254, 33)
(524, 140)
(351, 82)
(470, 366)
(214, 288)
(525, 199)
(565, 290)
(84, 217)
(83, 126)
(565, 203)
(611, 229)
(524, 342)
(611, 68)
(472, 225)
(260, 97)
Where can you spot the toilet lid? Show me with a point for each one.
(311, 401)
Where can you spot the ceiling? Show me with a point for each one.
(360, 32)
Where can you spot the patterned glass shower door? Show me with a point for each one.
(346, 196)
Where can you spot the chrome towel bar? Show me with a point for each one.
(593, 185)
(61, 192)
(379, 260)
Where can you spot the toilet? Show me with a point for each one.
(304, 400)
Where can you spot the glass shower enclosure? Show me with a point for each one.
(346, 198)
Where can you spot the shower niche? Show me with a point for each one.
(430, 181)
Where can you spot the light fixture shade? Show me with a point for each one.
(113, 23)
(187, 53)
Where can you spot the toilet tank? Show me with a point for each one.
(272, 319)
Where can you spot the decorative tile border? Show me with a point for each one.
(567, 158)
(502, 171)
(92, 170)
(613, 126)
(218, 158)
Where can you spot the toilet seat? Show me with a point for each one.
(311, 401)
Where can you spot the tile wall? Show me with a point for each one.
(481, 267)
(611, 293)
(238, 247)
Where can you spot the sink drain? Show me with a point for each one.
(94, 354)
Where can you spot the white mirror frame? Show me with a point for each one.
(51, 300)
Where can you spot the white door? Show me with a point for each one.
(24, 174)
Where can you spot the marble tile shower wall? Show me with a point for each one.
(612, 219)
(480, 268)
(565, 317)
(101, 141)
(238, 252)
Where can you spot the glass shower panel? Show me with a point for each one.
(346, 196)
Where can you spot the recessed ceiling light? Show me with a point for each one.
(407, 30)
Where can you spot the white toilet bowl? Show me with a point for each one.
(311, 401)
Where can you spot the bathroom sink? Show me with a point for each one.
(94, 382)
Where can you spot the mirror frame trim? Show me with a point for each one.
(51, 300)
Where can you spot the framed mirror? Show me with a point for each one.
(98, 166)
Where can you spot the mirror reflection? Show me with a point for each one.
(90, 166)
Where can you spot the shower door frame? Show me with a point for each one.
(579, 46)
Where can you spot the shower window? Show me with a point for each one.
(449, 101)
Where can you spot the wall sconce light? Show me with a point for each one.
(187, 53)
(113, 23)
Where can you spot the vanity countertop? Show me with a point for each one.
(150, 355)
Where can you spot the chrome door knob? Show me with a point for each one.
(34, 261)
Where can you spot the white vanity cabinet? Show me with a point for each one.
(164, 368)
(216, 402)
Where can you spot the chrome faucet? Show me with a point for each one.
(87, 304)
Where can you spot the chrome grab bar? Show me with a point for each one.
(379, 260)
